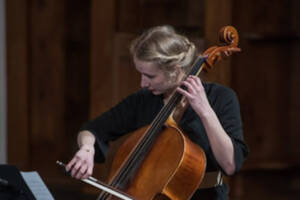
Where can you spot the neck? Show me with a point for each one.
(168, 94)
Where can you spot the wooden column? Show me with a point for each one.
(47, 75)
(3, 88)
(17, 82)
(102, 40)
(294, 105)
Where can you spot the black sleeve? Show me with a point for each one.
(228, 112)
(112, 124)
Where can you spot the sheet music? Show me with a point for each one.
(37, 186)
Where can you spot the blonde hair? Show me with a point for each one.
(167, 49)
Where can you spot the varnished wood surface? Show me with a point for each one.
(173, 167)
(264, 79)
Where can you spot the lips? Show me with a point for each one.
(152, 90)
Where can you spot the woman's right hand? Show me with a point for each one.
(82, 164)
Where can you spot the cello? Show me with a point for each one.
(182, 164)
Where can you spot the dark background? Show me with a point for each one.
(68, 61)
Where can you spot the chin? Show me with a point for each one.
(156, 92)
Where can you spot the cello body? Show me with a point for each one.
(173, 168)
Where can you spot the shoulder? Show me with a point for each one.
(221, 97)
(217, 90)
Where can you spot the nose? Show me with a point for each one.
(144, 82)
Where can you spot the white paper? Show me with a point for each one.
(37, 186)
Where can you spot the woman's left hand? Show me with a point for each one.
(195, 94)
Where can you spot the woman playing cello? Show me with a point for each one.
(212, 120)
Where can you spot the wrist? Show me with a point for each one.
(205, 113)
(87, 148)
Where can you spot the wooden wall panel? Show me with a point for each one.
(77, 70)
(47, 73)
(102, 37)
(294, 105)
(263, 17)
(18, 134)
(126, 77)
(261, 88)
(103, 25)
(135, 16)
(261, 77)
(176, 13)
(126, 15)
(48, 57)
(217, 15)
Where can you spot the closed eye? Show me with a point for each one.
(149, 76)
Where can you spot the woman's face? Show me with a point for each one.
(153, 78)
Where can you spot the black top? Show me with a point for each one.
(140, 108)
